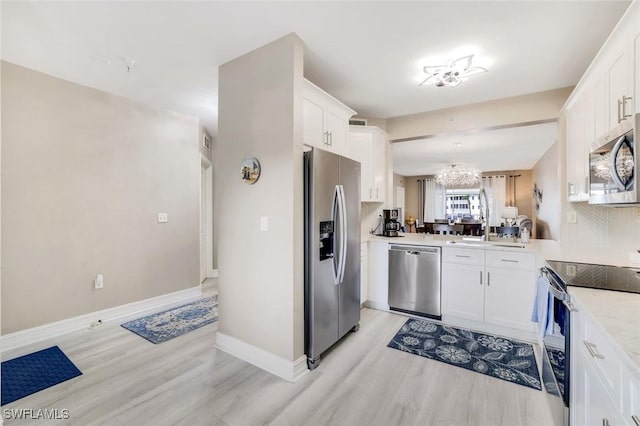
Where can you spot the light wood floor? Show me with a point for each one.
(186, 381)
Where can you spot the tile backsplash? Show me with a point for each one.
(604, 227)
(369, 215)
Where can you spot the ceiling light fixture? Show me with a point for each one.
(452, 73)
(456, 176)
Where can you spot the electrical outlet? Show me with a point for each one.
(98, 282)
(163, 218)
(572, 217)
(264, 223)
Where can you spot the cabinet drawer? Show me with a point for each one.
(511, 260)
(463, 255)
(600, 350)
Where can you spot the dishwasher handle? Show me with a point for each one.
(415, 250)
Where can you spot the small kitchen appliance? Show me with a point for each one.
(390, 222)
(613, 165)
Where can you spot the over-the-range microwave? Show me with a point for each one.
(613, 166)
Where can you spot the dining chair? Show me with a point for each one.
(445, 228)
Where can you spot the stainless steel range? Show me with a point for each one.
(557, 345)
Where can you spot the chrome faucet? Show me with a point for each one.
(484, 210)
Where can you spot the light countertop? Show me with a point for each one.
(618, 313)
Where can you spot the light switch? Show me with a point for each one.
(264, 223)
(572, 217)
(163, 218)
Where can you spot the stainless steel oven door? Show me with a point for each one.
(556, 351)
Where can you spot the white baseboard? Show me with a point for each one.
(274, 364)
(58, 328)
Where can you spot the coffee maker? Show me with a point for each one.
(390, 222)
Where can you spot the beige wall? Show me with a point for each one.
(261, 272)
(546, 175)
(398, 181)
(508, 111)
(84, 175)
(411, 200)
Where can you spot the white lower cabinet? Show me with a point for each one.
(594, 406)
(463, 290)
(378, 275)
(509, 297)
(604, 383)
(492, 287)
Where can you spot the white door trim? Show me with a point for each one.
(208, 165)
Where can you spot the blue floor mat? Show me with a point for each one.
(165, 325)
(34, 372)
(482, 353)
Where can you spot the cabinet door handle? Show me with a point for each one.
(605, 422)
(591, 347)
(510, 260)
(570, 189)
(624, 107)
(480, 277)
(370, 192)
(326, 138)
(636, 420)
(619, 111)
(463, 255)
(488, 279)
(330, 138)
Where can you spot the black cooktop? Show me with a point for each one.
(598, 276)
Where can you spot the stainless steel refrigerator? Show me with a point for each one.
(332, 250)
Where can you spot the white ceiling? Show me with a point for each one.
(365, 53)
(516, 148)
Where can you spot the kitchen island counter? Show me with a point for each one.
(617, 313)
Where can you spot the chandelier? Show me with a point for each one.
(452, 73)
(457, 176)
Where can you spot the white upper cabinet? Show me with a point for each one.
(606, 96)
(635, 62)
(368, 145)
(577, 150)
(326, 120)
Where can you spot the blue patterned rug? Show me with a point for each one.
(34, 372)
(166, 325)
(483, 353)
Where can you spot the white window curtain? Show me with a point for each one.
(435, 201)
(495, 187)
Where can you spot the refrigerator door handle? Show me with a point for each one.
(343, 233)
(335, 209)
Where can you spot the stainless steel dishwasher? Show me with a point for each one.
(414, 280)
